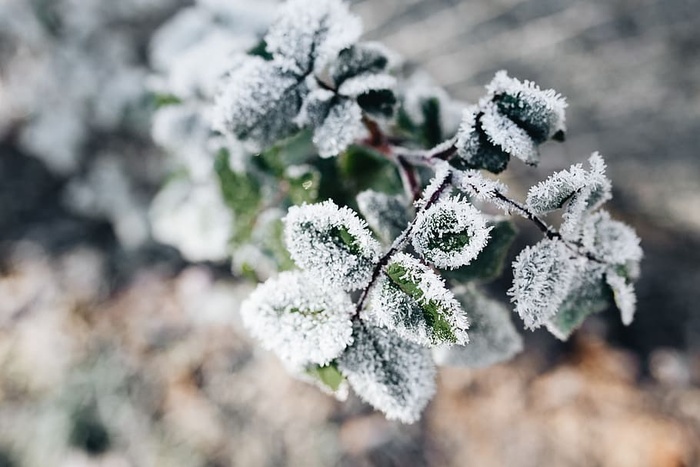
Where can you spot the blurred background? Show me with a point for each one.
(116, 351)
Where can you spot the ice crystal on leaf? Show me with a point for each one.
(364, 58)
(259, 102)
(309, 33)
(332, 242)
(542, 275)
(492, 335)
(511, 120)
(299, 318)
(413, 301)
(450, 233)
(341, 126)
(625, 298)
(611, 240)
(576, 190)
(392, 374)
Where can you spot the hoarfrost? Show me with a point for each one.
(542, 276)
(450, 233)
(611, 240)
(341, 127)
(624, 295)
(413, 301)
(309, 33)
(393, 375)
(504, 133)
(302, 320)
(492, 336)
(258, 102)
(332, 242)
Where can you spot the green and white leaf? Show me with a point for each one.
(390, 373)
(413, 301)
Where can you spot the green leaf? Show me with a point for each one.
(329, 375)
(378, 102)
(589, 294)
(295, 150)
(489, 264)
(433, 313)
(241, 193)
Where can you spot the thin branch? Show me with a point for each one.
(399, 243)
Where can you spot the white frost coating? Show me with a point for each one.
(542, 276)
(364, 83)
(503, 132)
(540, 110)
(387, 215)
(393, 375)
(300, 319)
(309, 33)
(258, 102)
(492, 336)
(193, 219)
(624, 295)
(578, 190)
(314, 237)
(315, 107)
(612, 241)
(435, 234)
(342, 126)
(467, 136)
(410, 316)
(442, 171)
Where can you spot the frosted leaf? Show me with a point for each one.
(316, 106)
(359, 59)
(450, 233)
(429, 106)
(309, 33)
(542, 276)
(504, 133)
(492, 336)
(193, 219)
(442, 172)
(393, 375)
(413, 301)
(541, 113)
(612, 241)
(258, 102)
(342, 126)
(576, 189)
(300, 319)
(332, 242)
(474, 148)
(625, 298)
(386, 215)
(588, 294)
(474, 184)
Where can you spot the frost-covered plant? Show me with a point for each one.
(391, 225)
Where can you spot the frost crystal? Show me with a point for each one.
(611, 240)
(474, 147)
(540, 113)
(387, 215)
(309, 33)
(576, 189)
(332, 242)
(413, 301)
(542, 276)
(259, 102)
(625, 299)
(365, 58)
(341, 127)
(492, 335)
(504, 133)
(450, 233)
(393, 375)
(299, 318)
